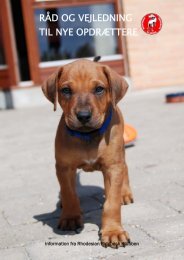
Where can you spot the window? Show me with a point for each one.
(71, 47)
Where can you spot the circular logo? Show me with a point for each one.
(151, 23)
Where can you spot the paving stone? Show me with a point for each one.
(169, 194)
(166, 229)
(6, 237)
(174, 251)
(139, 212)
(13, 253)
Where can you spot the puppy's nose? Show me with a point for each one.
(84, 116)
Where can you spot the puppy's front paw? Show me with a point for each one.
(114, 238)
(127, 199)
(126, 196)
(70, 223)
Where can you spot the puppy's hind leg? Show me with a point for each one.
(126, 193)
(71, 217)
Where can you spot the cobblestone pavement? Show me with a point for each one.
(29, 189)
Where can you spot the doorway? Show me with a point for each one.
(19, 31)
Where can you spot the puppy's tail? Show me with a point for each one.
(97, 58)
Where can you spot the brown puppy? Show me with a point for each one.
(90, 136)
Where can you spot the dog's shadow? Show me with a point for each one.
(91, 201)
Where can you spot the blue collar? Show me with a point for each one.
(90, 135)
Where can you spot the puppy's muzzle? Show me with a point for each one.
(84, 116)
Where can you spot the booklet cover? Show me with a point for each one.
(105, 171)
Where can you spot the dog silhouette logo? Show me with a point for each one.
(151, 23)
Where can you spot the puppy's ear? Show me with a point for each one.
(118, 85)
(50, 87)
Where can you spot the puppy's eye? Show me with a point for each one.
(66, 91)
(99, 90)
